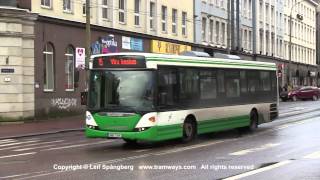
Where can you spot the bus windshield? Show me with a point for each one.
(125, 91)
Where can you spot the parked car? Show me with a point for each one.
(307, 92)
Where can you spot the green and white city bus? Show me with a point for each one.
(154, 97)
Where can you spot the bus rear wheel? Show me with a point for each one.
(253, 123)
(189, 130)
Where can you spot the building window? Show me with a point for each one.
(46, 3)
(217, 32)
(211, 31)
(174, 21)
(48, 54)
(67, 5)
(223, 33)
(106, 9)
(122, 11)
(204, 29)
(164, 18)
(184, 23)
(136, 12)
(249, 41)
(245, 39)
(152, 15)
(69, 69)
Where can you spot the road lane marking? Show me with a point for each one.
(32, 144)
(78, 145)
(187, 148)
(261, 148)
(315, 155)
(283, 126)
(7, 141)
(18, 175)
(17, 143)
(39, 147)
(142, 150)
(15, 155)
(267, 168)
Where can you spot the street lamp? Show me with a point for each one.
(290, 40)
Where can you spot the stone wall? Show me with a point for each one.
(16, 63)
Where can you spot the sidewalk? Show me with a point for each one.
(48, 126)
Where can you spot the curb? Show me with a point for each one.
(42, 133)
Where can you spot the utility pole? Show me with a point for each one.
(238, 25)
(88, 39)
(254, 30)
(229, 28)
(232, 25)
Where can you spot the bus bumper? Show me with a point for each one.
(149, 135)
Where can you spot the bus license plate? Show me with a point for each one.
(114, 135)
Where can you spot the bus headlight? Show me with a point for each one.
(90, 120)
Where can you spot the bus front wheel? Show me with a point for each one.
(189, 130)
(130, 141)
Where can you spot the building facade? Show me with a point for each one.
(16, 63)
(259, 30)
(303, 34)
(157, 26)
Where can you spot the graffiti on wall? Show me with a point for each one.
(64, 103)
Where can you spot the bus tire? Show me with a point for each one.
(189, 130)
(130, 141)
(253, 120)
(253, 123)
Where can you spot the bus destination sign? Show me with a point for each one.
(122, 61)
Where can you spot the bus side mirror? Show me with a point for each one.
(163, 98)
(84, 96)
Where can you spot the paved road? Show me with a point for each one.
(288, 148)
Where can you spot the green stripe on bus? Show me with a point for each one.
(222, 124)
(210, 62)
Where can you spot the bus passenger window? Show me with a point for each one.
(167, 86)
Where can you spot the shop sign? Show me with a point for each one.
(168, 47)
(80, 58)
(105, 45)
(134, 44)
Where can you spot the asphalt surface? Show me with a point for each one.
(288, 148)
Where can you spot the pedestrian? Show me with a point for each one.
(284, 88)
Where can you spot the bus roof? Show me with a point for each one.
(153, 60)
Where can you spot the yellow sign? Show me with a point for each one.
(163, 47)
